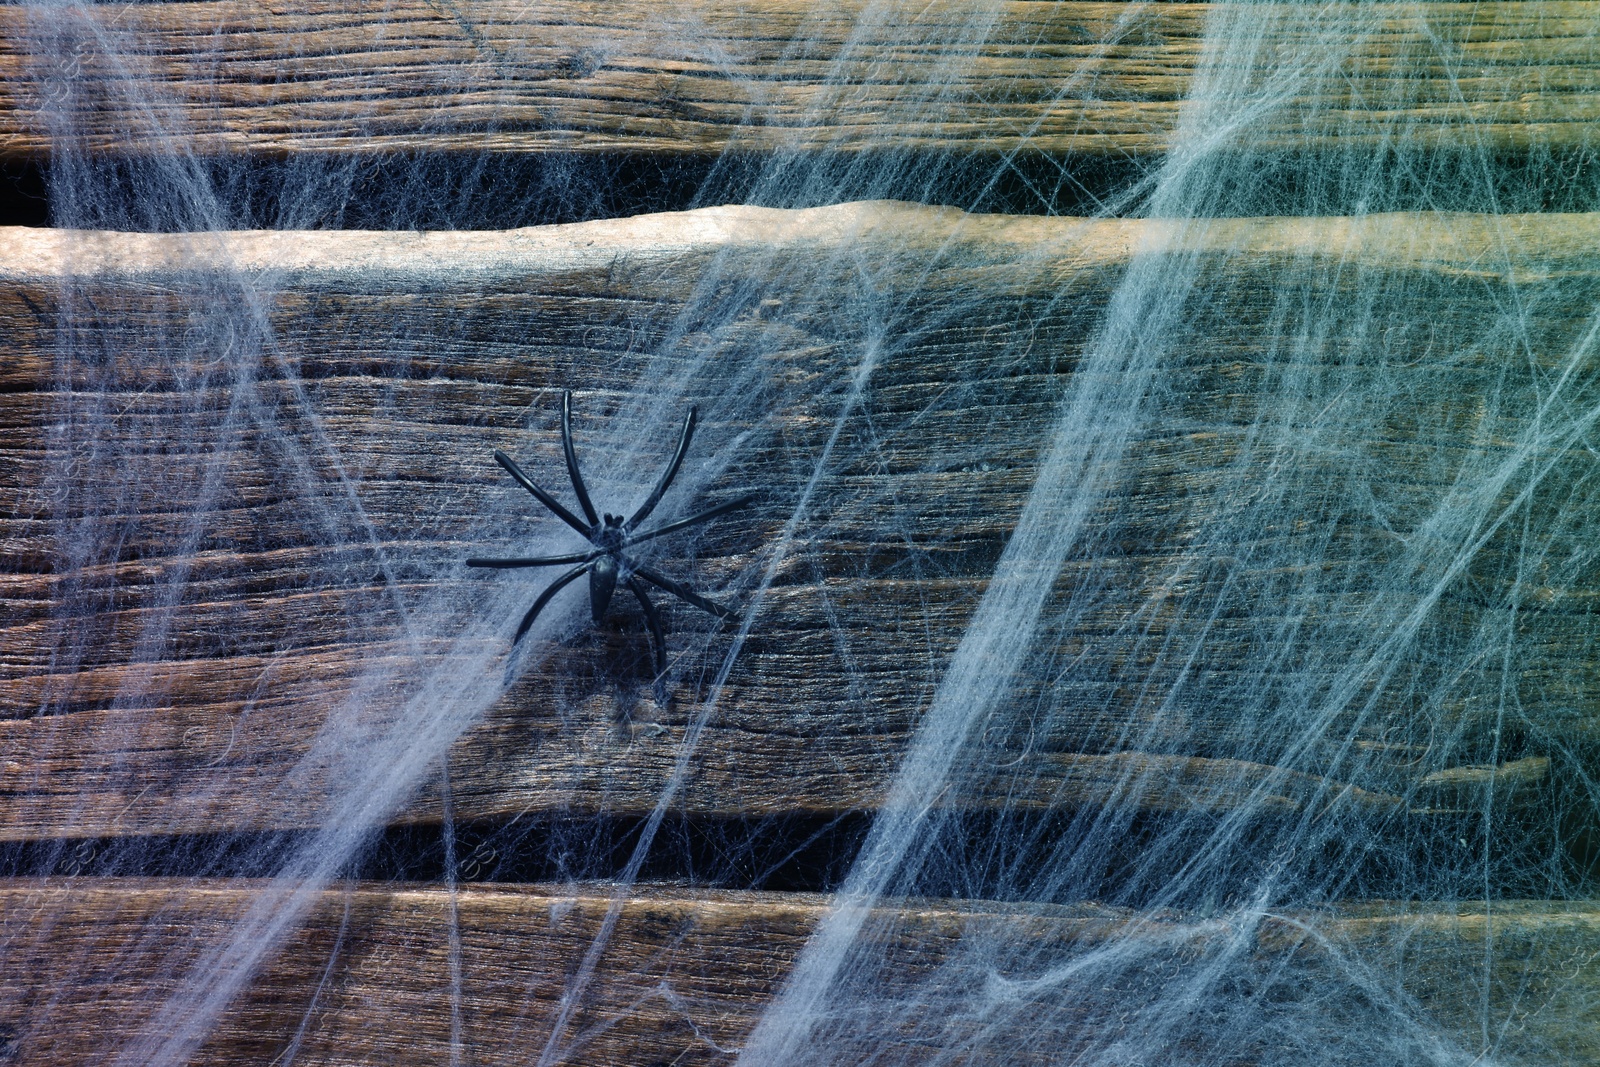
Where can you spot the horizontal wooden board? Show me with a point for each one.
(708, 77)
(684, 975)
(261, 451)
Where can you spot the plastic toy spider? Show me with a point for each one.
(607, 563)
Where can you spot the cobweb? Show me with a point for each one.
(1179, 551)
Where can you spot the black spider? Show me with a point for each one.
(606, 564)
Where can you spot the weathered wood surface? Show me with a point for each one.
(172, 645)
(706, 77)
(685, 974)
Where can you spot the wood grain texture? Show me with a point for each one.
(684, 974)
(675, 78)
(267, 446)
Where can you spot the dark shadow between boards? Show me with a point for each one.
(1141, 860)
(457, 191)
(24, 195)
(462, 191)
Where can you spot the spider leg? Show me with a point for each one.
(535, 561)
(572, 461)
(671, 472)
(695, 520)
(657, 632)
(544, 598)
(684, 593)
(544, 498)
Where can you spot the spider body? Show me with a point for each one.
(608, 563)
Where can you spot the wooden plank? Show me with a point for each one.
(684, 975)
(708, 77)
(176, 642)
